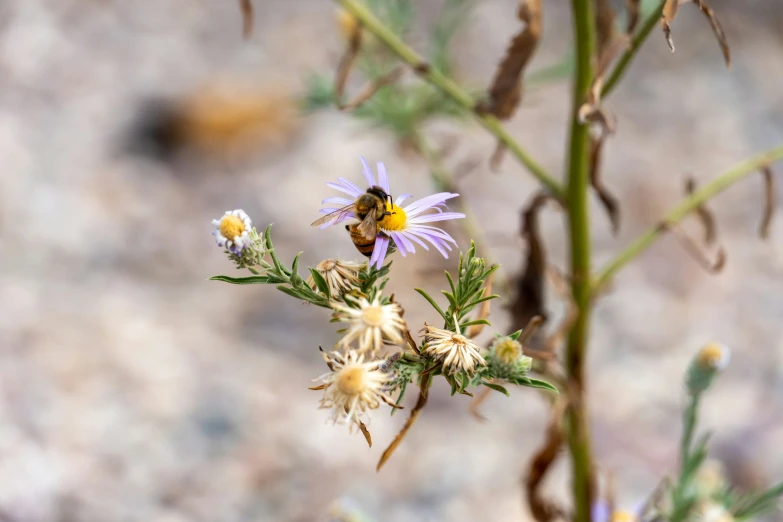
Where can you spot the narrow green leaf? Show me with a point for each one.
(450, 297)
(453, 381)
(320, 282)
(296, 279)
(250, 280)
(451, 282)
(474, 322)
(432, 302)
(290, 291)
(403, 387)
(496, 387)
(535, 383)
(515, 335)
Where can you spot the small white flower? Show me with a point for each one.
(371, 323)
(341, 276)
(353, 386)
(714, 356)
(454, 350)
(233, 230)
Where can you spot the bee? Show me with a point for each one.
(370, 209)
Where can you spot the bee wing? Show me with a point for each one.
(368, 227)
(337, 215)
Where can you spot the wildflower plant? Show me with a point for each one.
(379, 356)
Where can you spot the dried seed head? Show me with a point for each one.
(456, 352)
(371, 323)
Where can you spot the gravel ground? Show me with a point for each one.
(133, 389)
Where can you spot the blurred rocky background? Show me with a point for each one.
(133, 389)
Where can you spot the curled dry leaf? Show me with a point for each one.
(667, 16)
(505, 93)
(563, 291)
(769, 202)
(712, 266)
(246, 6)
(529, 299)
(670, 9)
(591, 111)
(347, 60)
(633, 10)
(545, 510)
(366, 433)
(704, 214)
(370, 89)
(604, 24)
(610, 203)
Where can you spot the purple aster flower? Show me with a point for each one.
(406, 226)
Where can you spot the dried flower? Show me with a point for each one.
(341, 276)
(455, 351)
(372, 323)
(233, 230)
(404, 226)
(353, 386)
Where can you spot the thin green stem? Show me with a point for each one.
(450, 88)
(689, 425)
(579, 228)
(636, 42)
(685, 207)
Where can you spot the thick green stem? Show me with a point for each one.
(636, 42)
(579, 228)
(450, 88)
(687, 206)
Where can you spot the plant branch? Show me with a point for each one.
(450, 88)
(636, 42)
(688, 205)
(579, 228)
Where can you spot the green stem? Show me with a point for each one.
(450, 88)
(579, 227)
(636, 42)
(685, 207)
(689, 424)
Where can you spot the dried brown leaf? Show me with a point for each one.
(718, 30)
(529, 299)
(604, 24)
(705, 216)
(316, 388)
(667, 16)
(505, 93)
(477, 402)
(370, 89)
(497, 157)
(608, 200)
(712, 266)
(246, 6)
(544, 510)
(366, 433)
(670, 9)
(591, 111)
(347, 60)
(483, 312)
(530, 328)
(633, 9)
(563, 291)
(769, 202)
(420, 403)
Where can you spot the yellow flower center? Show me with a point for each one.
(372, 316)
(710, 355)
(623, 516)
(396, 221)
(231, 227)
(508, 350)
(459, 339)
(350, 380)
